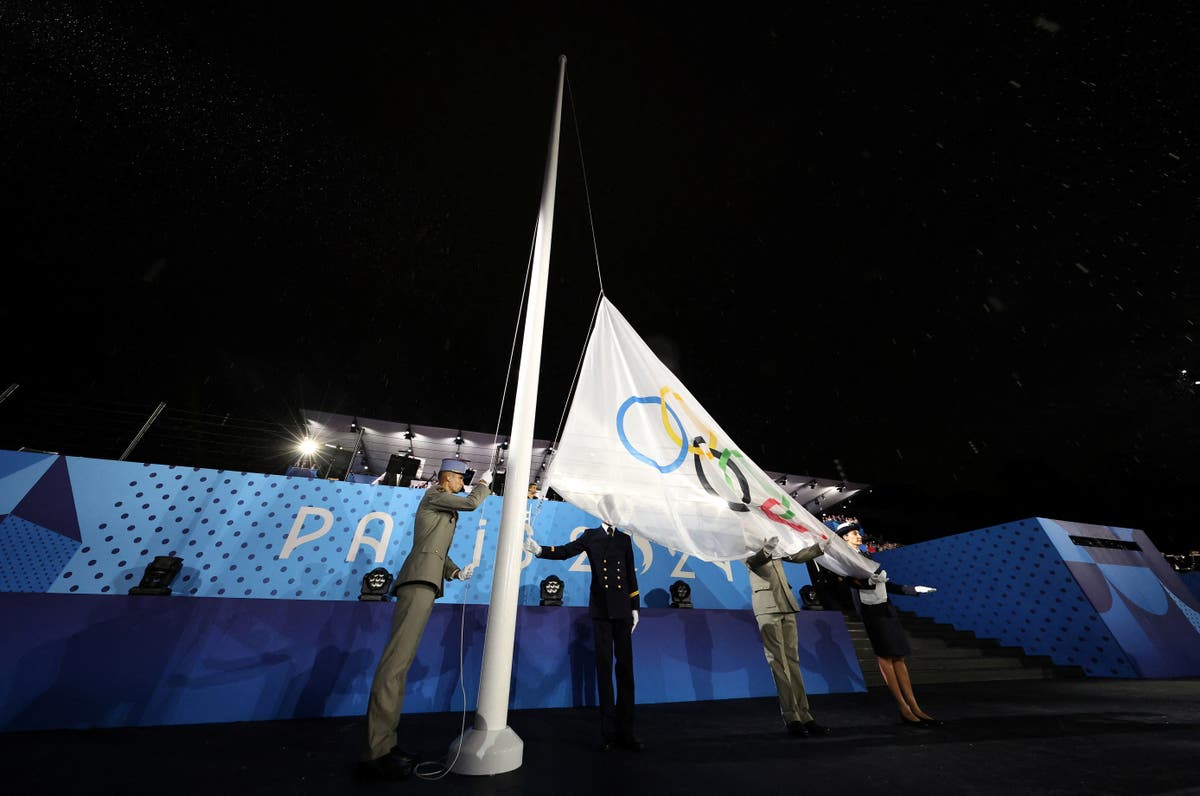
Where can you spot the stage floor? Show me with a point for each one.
(1034, 737)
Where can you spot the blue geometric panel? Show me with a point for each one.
(1192, 581)
(19, 471)
(1192, 615)
(50, 504)
(1113, 612)
(31, 556)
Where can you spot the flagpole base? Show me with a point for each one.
(486, 751)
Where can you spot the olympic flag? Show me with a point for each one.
(639, 452)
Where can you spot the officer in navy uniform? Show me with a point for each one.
(613, 604)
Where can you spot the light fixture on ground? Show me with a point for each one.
(158, 576)
(681, 595)
(375, 585)
(552, 591)
(810, 598)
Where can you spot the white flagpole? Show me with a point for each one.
(491, 746)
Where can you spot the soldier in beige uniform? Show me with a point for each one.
(775, 608)
(417, 586)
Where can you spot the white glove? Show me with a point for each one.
(878, 577)
(485, 478)
(923, 589)
(768, 548)
(635, 621)
(466, 572)
(532, 546)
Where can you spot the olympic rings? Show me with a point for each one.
(702, 447)
(677, 438)
(724, 462)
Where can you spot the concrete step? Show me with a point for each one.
(944, 654)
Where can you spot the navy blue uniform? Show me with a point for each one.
(613, 599)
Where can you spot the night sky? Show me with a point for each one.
(946, 250)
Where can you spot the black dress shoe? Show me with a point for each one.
(631, 742)
(394, 765)
(407, 757)
(797, 728)
(816, 729)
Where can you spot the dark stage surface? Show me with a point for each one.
(1041, 737)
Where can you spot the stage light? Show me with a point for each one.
(810, 598)
(307, 447)
(551, 591)
(158, 576)
(458, 440)
(408, 434)
(375, 585)
(354, 424)
(681, 595)
(781, 480)
(841, 487)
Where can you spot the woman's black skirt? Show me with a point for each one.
(887, 635)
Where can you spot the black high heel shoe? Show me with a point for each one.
(913, 723)
(933, 722)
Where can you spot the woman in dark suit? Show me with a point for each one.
(887, 636)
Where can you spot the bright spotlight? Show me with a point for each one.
(308, 446)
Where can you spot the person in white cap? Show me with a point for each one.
(417, 586)
(886, 634)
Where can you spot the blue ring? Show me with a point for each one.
(653, 399)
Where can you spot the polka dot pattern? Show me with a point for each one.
(1008, 583)
(230, 530)
(31, 556)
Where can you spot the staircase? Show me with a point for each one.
(942, 654)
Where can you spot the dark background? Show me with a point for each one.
(948, 251)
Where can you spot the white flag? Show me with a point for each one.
(639, 452)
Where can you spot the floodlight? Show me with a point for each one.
(551, 591)
(810, 598)
(681, 595)
(158, 576)
(375, 585)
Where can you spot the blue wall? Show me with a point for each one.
(265, 623)
(107, 661)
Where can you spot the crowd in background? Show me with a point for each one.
(1184, 562)
(871, 544)
(1180, 562)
